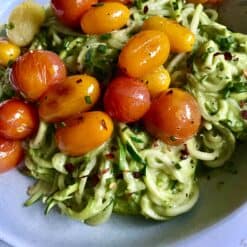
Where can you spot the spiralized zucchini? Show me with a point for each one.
(134, 173)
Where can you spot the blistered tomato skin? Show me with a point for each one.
(70, 12)
(8, 52)
(78, 93)
(84, 133)
(35, 71)
(105, 18)
(157, 81)
(126, 99)
(144, 52)
(174, 117)
(11, 154)
(18, 120)
(181, 38)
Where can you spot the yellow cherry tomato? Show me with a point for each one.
(157, 81)
(181, 38)
(84, 133)
(8, 52)
(105, 18)
(144, 52)
(76, 94)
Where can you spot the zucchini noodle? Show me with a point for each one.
(133, 173)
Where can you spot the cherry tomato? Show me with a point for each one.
(11, 154)
(181, 38)
(144, 52)
(105, 18)
(35, 71)
(157, 81)
(76, 94)
(126, 99)
(18, 120)
(8, 52)
(70, 12)
(174, 116)
(84, 133)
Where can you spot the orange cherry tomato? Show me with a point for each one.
(126, 99)
(157, 81)
(8, 52)
(76, 94)
(105, 18)
(18, 120)
(35, 71)
(70, 12)
(181, 38)
(144, 52)
(84, 133)
(11, 154)
(174, 116)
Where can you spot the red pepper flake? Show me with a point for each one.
(227, 55)
(79, 81)
(95, 180)
(241, 103)
(69, 167)
(244, 114)
(169, 92)
(104, 171)
(184, 153)
(145, 10)
(110, 156)
(136, 174)
(103, 124)
(155, 144)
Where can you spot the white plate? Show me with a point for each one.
(221, 204)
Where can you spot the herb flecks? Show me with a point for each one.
(178, 166)
(88, 100)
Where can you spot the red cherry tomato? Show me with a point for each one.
(70, 11)
(174, 116)
(18, 120)
(11, 154)
(35, 71)
(126, 99)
